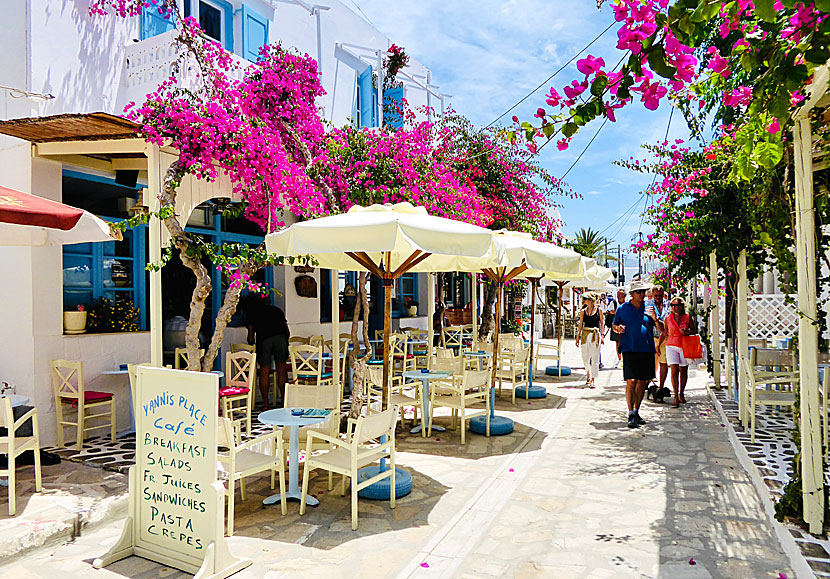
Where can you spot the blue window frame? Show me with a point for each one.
(393, 107)
(112, 269)
(254, 33)
(154, 22)
(406, 286)
(366, 99)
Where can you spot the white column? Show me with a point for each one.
(743, 338)
(473, 277)
(714, 318)
(154, 241)
(805, 245)
(335, 330)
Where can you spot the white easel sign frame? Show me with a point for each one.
(176, 504)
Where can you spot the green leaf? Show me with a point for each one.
(817, 54)
(823, 5)
(635, 64)
(768, 154)
(749, 61)
(549, 129)
(599, 85)
(764, 10)
(657, 62)
(569, 130)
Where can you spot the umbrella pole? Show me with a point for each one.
(559, 317)
(530, 370)
(387, 328)
(474, 308)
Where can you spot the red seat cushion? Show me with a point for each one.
(92, 396)
(232, 391)
(400, 356)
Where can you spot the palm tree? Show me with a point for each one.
(590, 243)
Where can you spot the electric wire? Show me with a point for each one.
(548, 79)
(562, 178)
(363, 13)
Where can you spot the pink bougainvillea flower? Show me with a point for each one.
(510, 470)
(692, 561)
(589, 65)
(575, 89)
(553, 98)
(718, 64)
(515, 119)
(425, 565)
(774, 127)
(540, 113)
(562, 144)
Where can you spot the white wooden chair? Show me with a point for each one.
(420, 351)
(766, 386)
(453, 337)
(13, 446)
(460, 395)
(400, 394)
(401, 361)
(237, 396)
(308, 365)
(236, 461)
(467, 337)
(69, 389)
(512, 365)
(545, 352)
(357, 451)
(311, 396)
(180, 360)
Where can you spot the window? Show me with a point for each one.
(366, 99)
(154, 22)
(406, 288)
(215, 18)
(393, 107)
(112, 270)
(254, 33)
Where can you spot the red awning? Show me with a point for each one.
(27, 209)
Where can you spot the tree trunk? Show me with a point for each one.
(359, 362)
(438, 322)
(487, 311)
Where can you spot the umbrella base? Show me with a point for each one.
(531, 392)
(499, 425)
(380, 490)
(555, 371)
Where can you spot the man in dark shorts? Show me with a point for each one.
(635, 323)
(268, 324)
(615, 337)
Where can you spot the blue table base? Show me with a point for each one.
(499, 425)
(380, 490)
(531, 392)
(554, 371)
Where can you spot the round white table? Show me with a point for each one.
(283, 417)
(480, 355)
(425, 377)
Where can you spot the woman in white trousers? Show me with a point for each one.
(589, 336)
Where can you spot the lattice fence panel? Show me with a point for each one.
(768, 316)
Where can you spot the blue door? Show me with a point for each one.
(367, 99)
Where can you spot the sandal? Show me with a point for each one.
(676, 403)
(682, 398)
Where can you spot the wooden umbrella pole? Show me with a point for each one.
(387, 327)
(532, 332)
(496, 324)
(561, 286)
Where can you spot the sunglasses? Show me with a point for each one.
(638, 291)
(678, 305)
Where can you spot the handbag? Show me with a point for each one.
(692, 350)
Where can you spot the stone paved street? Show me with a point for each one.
(572, 493)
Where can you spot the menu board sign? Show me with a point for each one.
(176, 460)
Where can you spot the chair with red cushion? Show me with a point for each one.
(237, 396)
(68, 384)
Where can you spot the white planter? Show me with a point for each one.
(412, 310)
(74, 322)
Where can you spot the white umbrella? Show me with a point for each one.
(388, 241)
(88, 229)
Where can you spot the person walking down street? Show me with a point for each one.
(661, 308)
(268, 326)
(615, 337)
(589, 336)
(635, 323)
(678, 324)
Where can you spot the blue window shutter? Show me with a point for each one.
(254, 33)
(393, 107)
(367, 99)
(153, 22)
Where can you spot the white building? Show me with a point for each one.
(95, 64)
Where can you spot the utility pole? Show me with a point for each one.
(620, 266)
(640, 258)
(606, 252)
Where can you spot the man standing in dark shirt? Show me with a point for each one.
(268, 325)
(635, 324)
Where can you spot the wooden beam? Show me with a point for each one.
(805, 245)
(364, 260)
(90, 147)
(516, 271)
(410, 262)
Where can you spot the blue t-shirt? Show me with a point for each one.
(661, 314)
(639, 328)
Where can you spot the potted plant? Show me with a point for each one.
(74, 321)
(411, 306)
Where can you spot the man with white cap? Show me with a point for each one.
(635, 324)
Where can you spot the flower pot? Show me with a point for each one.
(74, 322)
(412, 310)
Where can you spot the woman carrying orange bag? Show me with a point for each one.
(679, 325)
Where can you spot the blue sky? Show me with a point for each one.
(490, 53)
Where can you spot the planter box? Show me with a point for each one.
(74, 322)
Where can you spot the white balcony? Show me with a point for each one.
(150, 62)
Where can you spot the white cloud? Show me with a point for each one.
(594, 193)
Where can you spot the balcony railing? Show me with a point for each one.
(150, 62)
